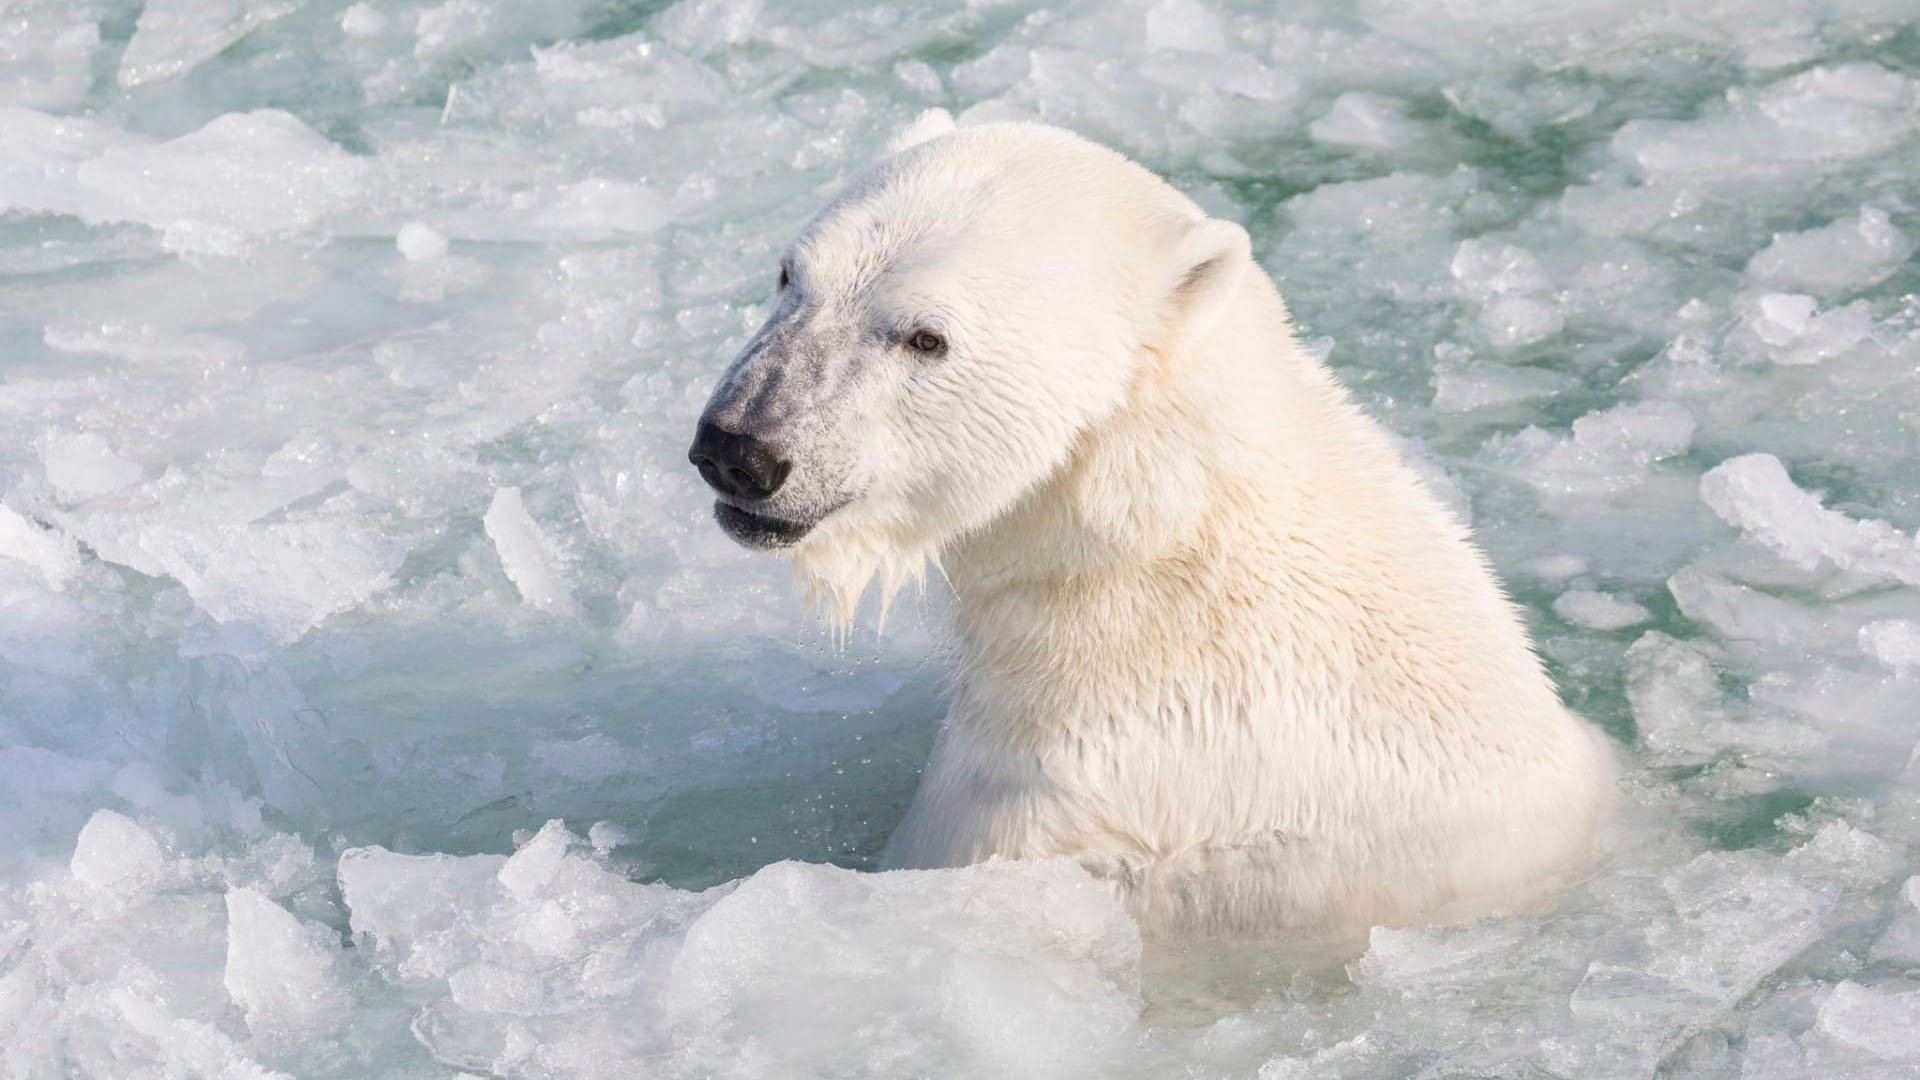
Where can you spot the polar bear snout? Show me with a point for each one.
(735, 464)
(745, 472)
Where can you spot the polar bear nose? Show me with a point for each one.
(736, 465)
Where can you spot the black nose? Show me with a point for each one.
(737, 465)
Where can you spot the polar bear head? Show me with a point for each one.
(941, 336)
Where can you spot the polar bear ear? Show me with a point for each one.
(928, 125)
(1205, 268)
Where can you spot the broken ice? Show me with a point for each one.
(351, 571)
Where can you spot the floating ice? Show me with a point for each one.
(1754, 493)
(284, 578)
(1598, 610)
(82, 465)
(1786, 322)
(280, 972)
(47, 52)
(600, 207)
(215, 190)
(419, 242)
(1893, 642)
(1850, 253)
(174, 36)
(1360, 119)
(53, 555)
(1607, 451)
(528, 558)
(1884, 1023)
(1014, 966)
(1481, 386)
(351, 351)
(114, 855)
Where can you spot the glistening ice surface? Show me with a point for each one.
(377, 700)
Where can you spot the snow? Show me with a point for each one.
(377, 697)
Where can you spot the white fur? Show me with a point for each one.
(1214, 639)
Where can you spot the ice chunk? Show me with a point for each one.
(175, 36)
(1851, 253)
(1018, 968)
(1742, 915)
(1012, 964)
(1900, 944)
(1893, 642)
(1749, 616)
(114, 855)
(47, 49)
(1673, 688)
(1786, 322)
(51, 553)
(1482, 386)
(529, 560)
(1184, 24)
(1784, 316)
(597, 207)
(1362, 119)
(180, 1046)
(284, 578)
(533, 866)
(362, 20)
(1847, 110)
(1558, 567)
(278, 971)
(241, 177)
(1607, 451)
(1753, 493)
(82, 466)
(415, 906)
(1665, 219)
(699, 27)
(1598, 610)
(1484, 268)
(1512, 289)
(1513, 321)
(1684, 715)
(1884, 1023)
(419, 242)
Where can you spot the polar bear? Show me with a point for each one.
(1213, 638)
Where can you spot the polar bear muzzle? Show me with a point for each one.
(743, 469)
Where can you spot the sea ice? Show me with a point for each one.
(524, 552)
(1850, 253)
(279, 971)
(216, 190)
(114, 854)
(1754, 493)
(1361, 119)
(419, 241)
(1598, 610)
(1606, 451)
(347, 539)
(1893, 642)
(1884, 1023)
(174, 36)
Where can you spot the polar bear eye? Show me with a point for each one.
(927, 343)
(786, 278)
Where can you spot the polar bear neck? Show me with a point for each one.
(1235, 497)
